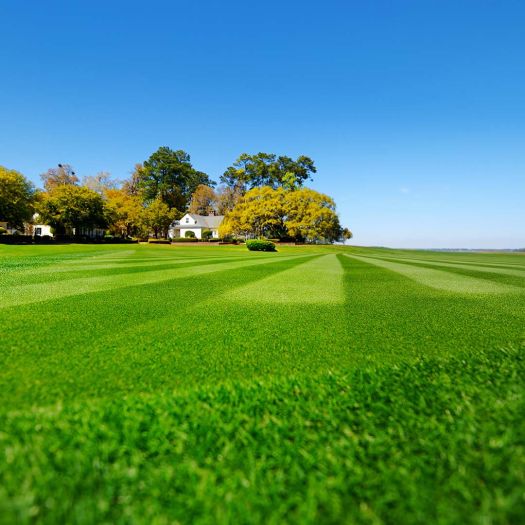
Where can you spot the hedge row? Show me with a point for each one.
(159, 241)
(185, 239)
(60, 239)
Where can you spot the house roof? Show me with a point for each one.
(204, 221)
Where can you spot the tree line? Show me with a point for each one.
(259, 195)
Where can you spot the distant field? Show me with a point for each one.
(166, 384)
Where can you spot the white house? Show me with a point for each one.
(191, 222)
(39, 230)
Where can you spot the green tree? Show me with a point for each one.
(266, 169)
(169, 176)
(158, 217)
(60, 176)
(346, 234)
(17, 198)
(69, 207)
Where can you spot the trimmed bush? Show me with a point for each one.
(258, 245)
(185, 239)
(189, 235)
(159, 241)
(207, 234)
(110, 239)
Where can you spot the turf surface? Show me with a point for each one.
(160, 384)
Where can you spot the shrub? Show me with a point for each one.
(159, 241)
(258, 245)
(113, 239)
(189, 234)
(3, 231)
(184, 239)
(207, 234)
(229, 239)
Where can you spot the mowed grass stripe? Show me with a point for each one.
(110, 271)
(32, 293)
(87, 261)
(461, 258)
(440, 279)
(515, 271)
(130, 262)
(318, 281)
(465, 266)
(70, 272)
(502, 275)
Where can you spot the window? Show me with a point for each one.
(38, 231)
(187, 220)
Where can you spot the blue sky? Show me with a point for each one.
(414, 110)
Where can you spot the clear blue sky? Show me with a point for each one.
(414, 111)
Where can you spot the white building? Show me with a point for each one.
(39, 230)
(197, 224)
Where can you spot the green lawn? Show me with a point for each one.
(167, 384)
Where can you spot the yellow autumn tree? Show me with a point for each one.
(303, 214)
(311, 216)
(259, 212)
(203, 201)
(125, 213)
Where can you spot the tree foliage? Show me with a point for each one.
(203, 201)
(168, 175)
(302, 214)
(260, 212)
(132, 185)
(69, 207)
(60, 176)
(346, 234)
(158, 217)
(266, 169)
(124, 213)
(227, 198)
(101, 182)
(311, 215)
(17, 197)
